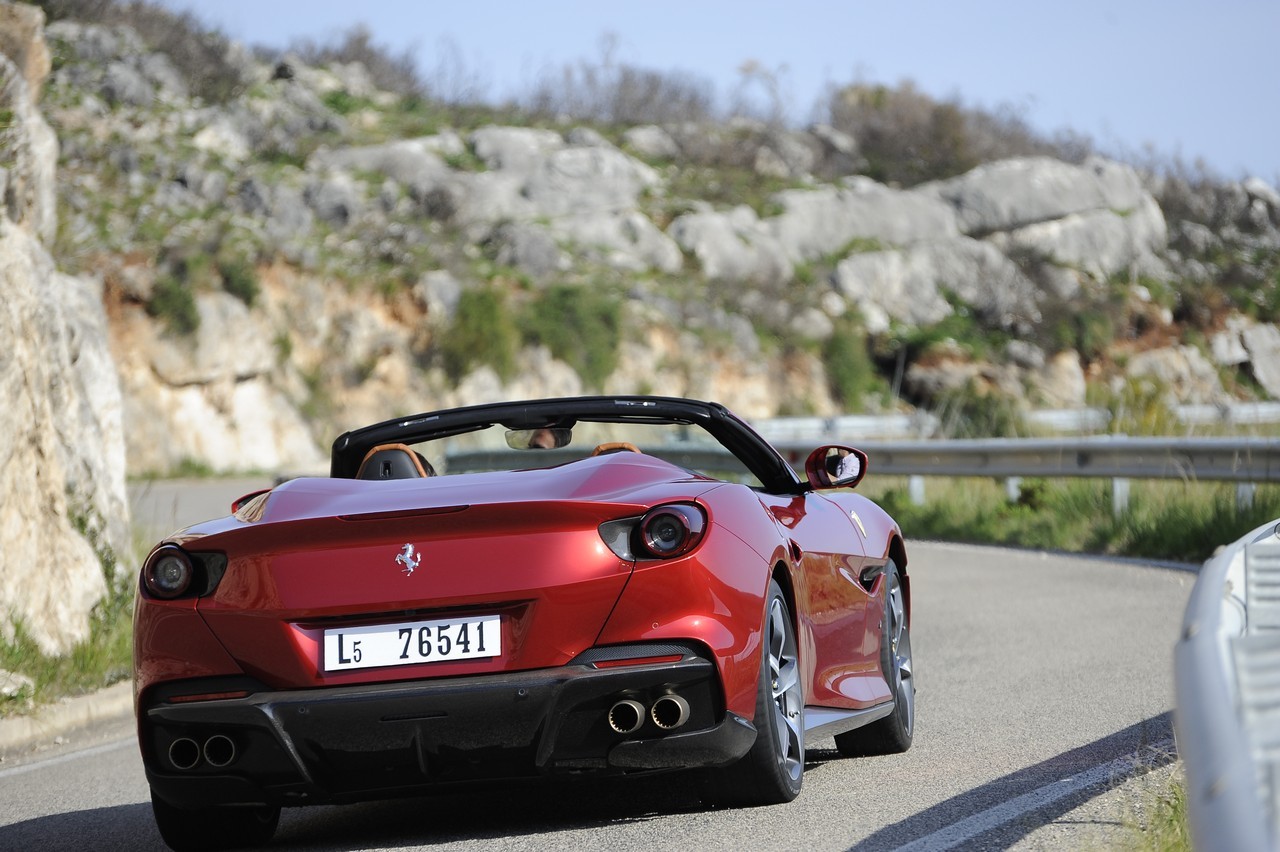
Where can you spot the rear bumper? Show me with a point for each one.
(352, 743)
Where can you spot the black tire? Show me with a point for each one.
(214, 828)
(892, 734)
(772, 772)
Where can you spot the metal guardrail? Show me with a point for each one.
(1105, 456)
(1227, 684)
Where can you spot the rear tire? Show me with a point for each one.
(772, 772)
(224, 827)
(892, 734)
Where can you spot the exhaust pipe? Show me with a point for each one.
(669, 712)
(219, 750)
(184, 753)
(626, 716)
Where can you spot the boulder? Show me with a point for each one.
(517, 149)
(411, 162)
(651, 142)
(625, 240)
(1010, 194)
(1060, 382)
(336, 199)
(1262, 342)
(584, 180)
(732, 246)
(1102, 243)
(527, 247)
(820, 222)
(1189, 377)
(911, 285)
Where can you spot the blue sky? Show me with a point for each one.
(1189, 79)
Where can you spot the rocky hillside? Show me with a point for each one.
(311, 253)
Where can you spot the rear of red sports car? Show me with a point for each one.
(338, 639)
(389, 630)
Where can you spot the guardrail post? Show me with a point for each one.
(1119, 496)
(1013, 488)
(915, 490)
(1244, 495)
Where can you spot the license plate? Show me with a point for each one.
(411, 642)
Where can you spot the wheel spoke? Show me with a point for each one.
(787, 679)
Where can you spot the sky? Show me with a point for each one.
(1181, 78)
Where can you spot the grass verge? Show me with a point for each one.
(1177, 521)
(1160, 824)
(103, 659)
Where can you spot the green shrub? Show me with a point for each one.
(240, 279)
(851, 375)
(1139, 407)
(975, 412)
(343, 102)
(580, 325)
(173, 303)
(483, 332)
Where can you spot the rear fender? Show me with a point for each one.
(714, 596)
(172, 642)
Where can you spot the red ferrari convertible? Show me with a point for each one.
(600, 584)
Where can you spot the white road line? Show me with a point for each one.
(980, 823)
(63, 758)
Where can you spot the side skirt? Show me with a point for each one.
(823, 722)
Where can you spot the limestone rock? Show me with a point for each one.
(816, 223)
(732, 246)
(651, 142)
(1100, 242)
(61, 447)
(1014, 193)
(1060, 383)
(911, 284)
(584, 180)
(29, 152)
(1189, 377)
(22, 40)
(518, 149)
(625, 240)
(1262, 342)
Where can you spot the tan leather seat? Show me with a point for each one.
(394, 461)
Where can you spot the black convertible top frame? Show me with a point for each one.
(757, 454)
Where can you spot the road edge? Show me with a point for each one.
(19, 733)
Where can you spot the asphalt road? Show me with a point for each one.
(1044, 682)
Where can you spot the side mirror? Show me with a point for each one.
(835, 466)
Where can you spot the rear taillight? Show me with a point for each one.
(672, 530)
(171, 572)
(663, 532)
(168, 573)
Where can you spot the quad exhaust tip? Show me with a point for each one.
(626, 716)
(669, 712)
(219, 750)
(184, 753)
